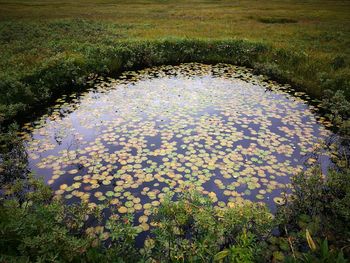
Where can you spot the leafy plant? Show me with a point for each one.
(13, 157)
(191, 229)
(36, 227)
(321, 254)
(243, 251)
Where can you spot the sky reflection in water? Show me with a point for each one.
(218, 129)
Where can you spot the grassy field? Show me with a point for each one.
(318, 27)
(307, 42)
(315, 26)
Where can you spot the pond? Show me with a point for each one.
(219, 129)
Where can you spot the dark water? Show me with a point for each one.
(218, 129)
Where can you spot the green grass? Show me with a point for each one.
(48, 47)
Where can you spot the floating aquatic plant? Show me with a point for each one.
(220, 130)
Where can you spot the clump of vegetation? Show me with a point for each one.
(37, 227)
(192, 230)
(317, 213)
(276, 20)
(13, 157)
(337, 110)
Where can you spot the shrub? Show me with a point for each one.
(321, 205)
(34, 227)
(338, 62)
(13, 157)
(192, 230)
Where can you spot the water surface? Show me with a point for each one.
(218, 129)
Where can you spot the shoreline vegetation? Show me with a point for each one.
(50, 48)
(67, 72)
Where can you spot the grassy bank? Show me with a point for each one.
(69, 70)
(50, 47)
